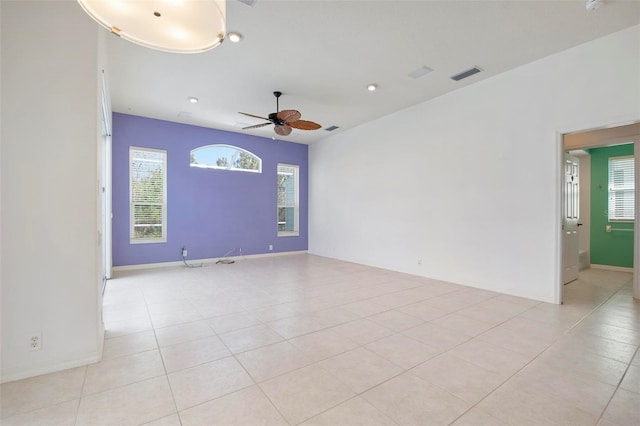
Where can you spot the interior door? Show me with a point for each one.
(103, 213)
(571, 214)
(105, 185)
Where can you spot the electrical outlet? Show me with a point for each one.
(184, 252)
(270, 247)
(35, 342)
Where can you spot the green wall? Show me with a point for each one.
(607, 248)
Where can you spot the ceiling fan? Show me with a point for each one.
(284, 121)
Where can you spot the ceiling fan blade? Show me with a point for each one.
(283, 130)
(289, 115)
(255, 126)
(304, 125)
(254, 116)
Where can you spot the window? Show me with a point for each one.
(621, 188)
(225, 157)
(148, 195)
(287, 200)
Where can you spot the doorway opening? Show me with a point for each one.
(591, 236)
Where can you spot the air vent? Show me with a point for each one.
(331, 128)
(184, 114)
(420, 72)
(465, 74)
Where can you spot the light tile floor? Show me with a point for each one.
(302, 339)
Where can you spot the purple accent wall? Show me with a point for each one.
(208, 211)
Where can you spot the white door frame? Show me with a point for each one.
(106, 176)
(560, 150)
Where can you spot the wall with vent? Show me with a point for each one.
(473, 193)
(210, 212)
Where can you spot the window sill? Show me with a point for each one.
(288, 234)
(147, 241)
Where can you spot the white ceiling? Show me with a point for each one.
(322, 55)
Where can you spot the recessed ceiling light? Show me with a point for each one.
(193, 99)
(594, 5)
(234, 37)
(372, 87)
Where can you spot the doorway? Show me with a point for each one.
(599, 140)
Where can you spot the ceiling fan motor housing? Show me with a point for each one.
(273, 117)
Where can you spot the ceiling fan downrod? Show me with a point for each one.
(277, 95)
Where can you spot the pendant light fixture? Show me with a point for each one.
(177, 26)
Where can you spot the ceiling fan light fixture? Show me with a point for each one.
(185, 26)
(372, 87)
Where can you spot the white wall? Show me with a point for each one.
(469, 182)
(50, 275)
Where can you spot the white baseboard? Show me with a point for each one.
(203, 261)
(612, 268)
(14, 374)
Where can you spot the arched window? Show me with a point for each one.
(225, 157)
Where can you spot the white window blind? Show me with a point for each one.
(148, 195)
(288, 208)
(621, 188)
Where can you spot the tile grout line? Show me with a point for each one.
(538, 355)
(164, 367)
(405, 370)
(233, 355)
(616, 390)
(604, 410)
(552, 344)
(84, 380)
